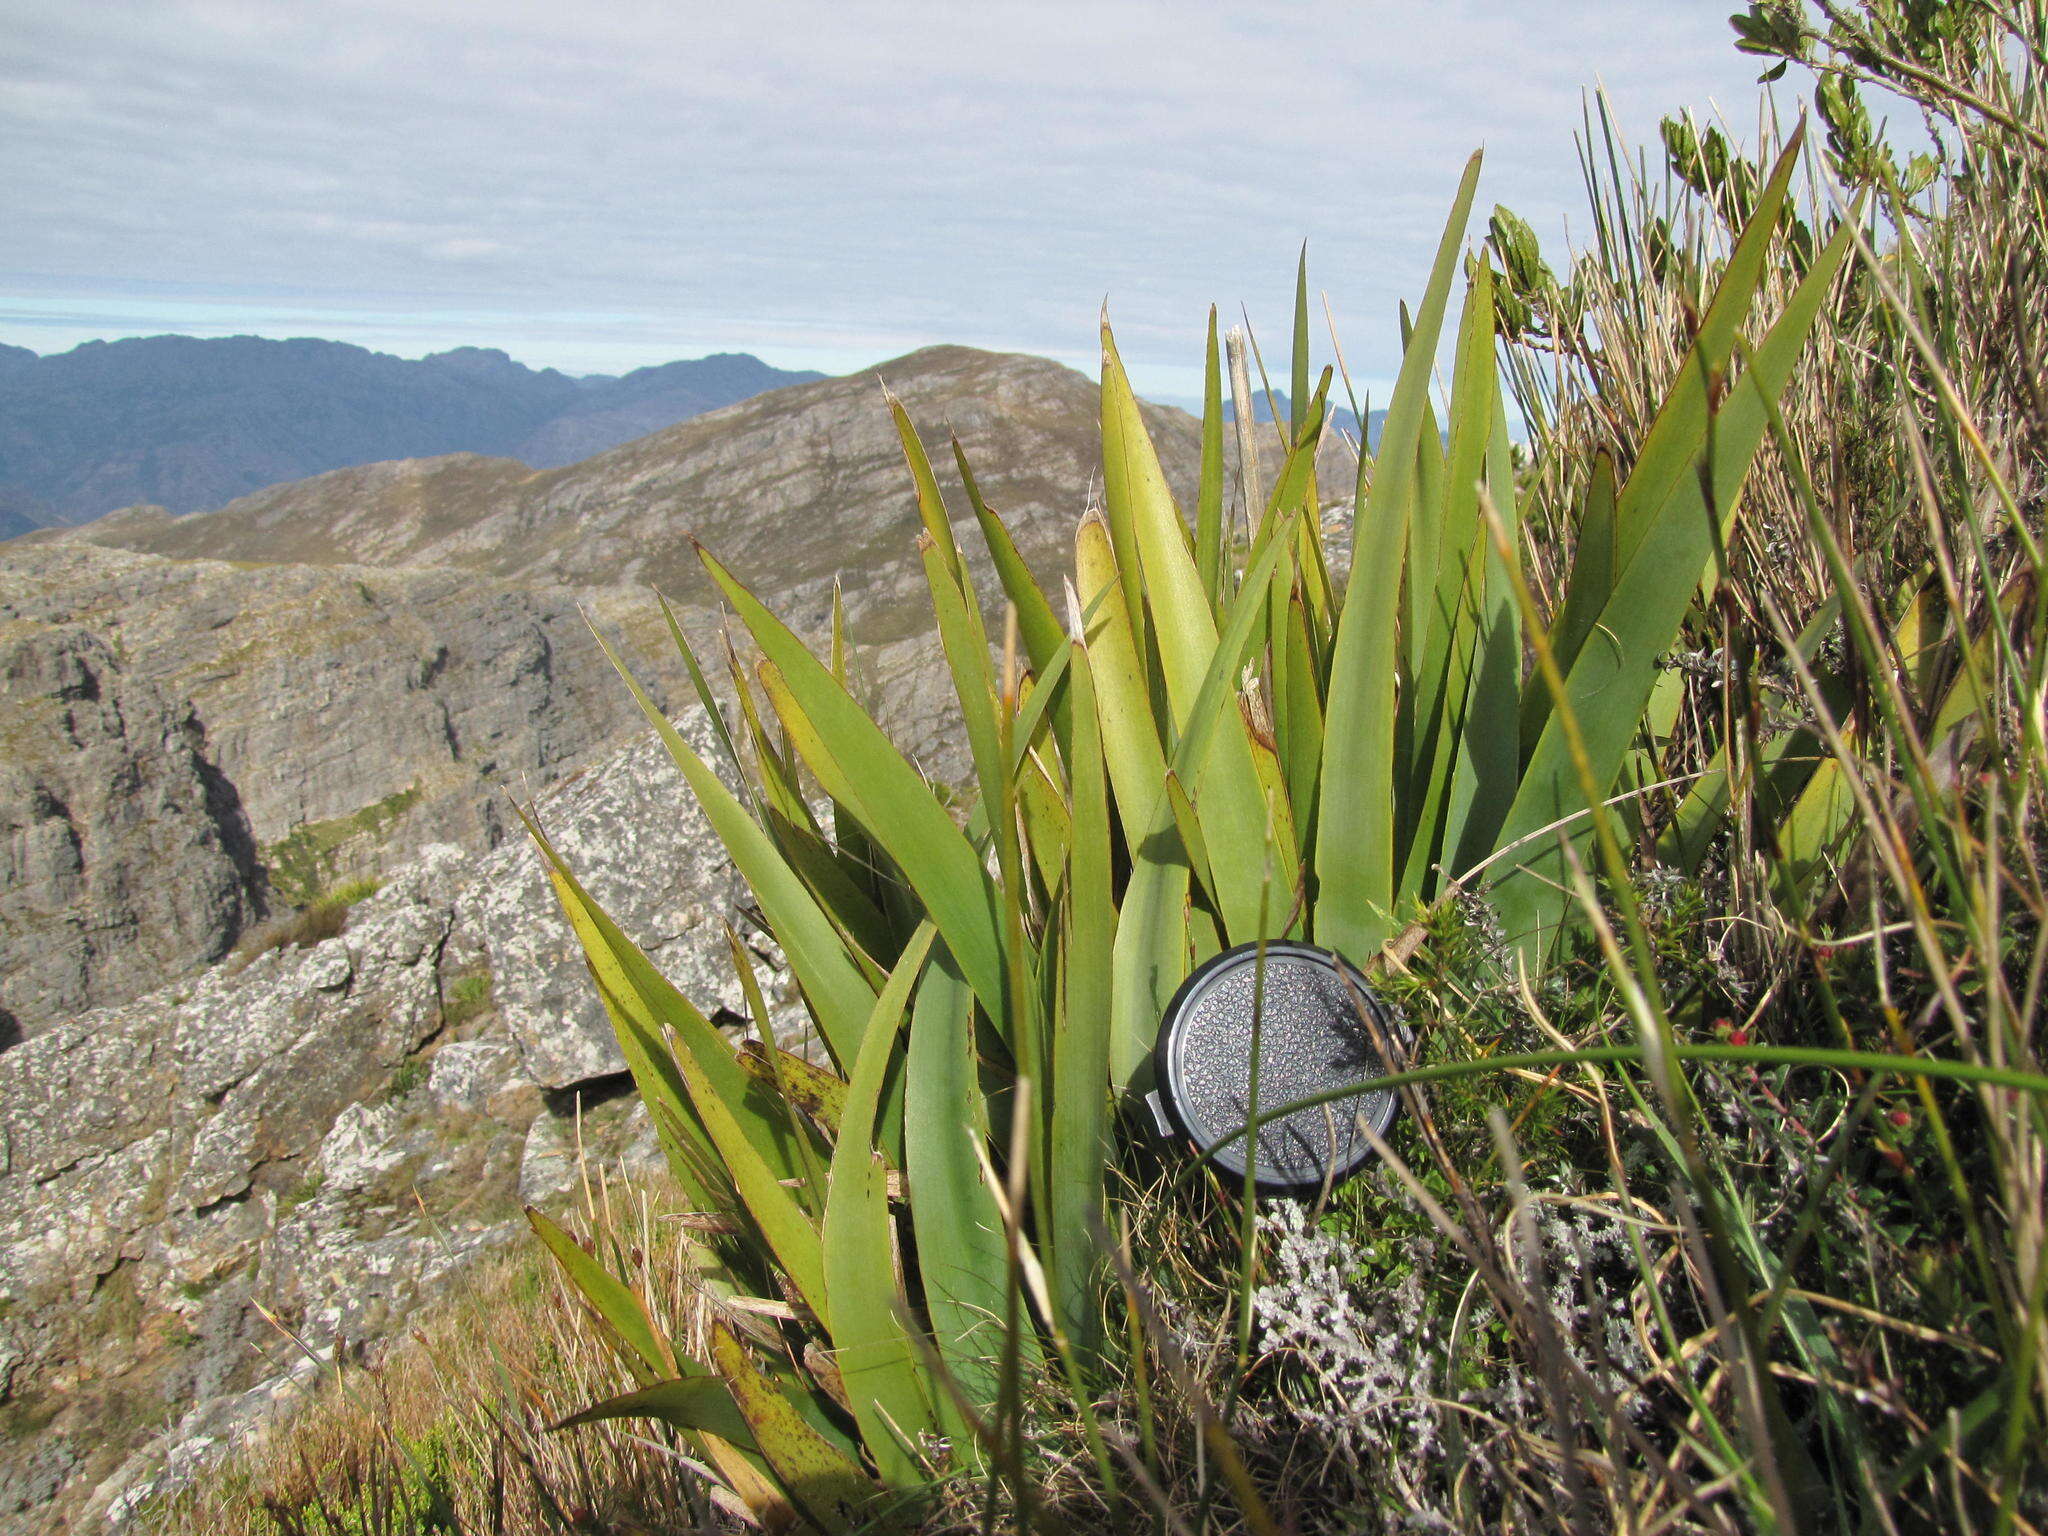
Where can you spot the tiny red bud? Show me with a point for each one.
(1723, 1025)
(1823, 952)
(1901, 1117)
(1738, 1037)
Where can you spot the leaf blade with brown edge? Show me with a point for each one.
(829, 1488)
(625, 1319)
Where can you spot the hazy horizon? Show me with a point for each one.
(612, 189)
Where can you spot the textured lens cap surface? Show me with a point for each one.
(1313, 1037)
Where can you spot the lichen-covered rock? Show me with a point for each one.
(321, 1133)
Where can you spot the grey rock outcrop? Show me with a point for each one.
(325, 1134)
(125, 855)
(180, 739)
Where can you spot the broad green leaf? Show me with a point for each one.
(1152, 942)
(931, 506)
(686, 1402)
(817, 1477)
(1447, 578)
(961, 1259)
(1130, 742)
(874, 1357)
(893, 802)
(1046, 821)
(781, 1221)
(810, 1087)
(1355, 850)
(1224, 781)
(1192, 842)
(1489, 766)
(646, 1011)
(974, 684)
(1297, 396)
(1301, 740)
(1664, 465)
(640, 1346)
(1209, 498)
(1596, 562)
(1038, 626)
(1081, 1149)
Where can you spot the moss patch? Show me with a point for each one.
(302, 863)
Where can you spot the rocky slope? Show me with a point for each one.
(793, 490)
(188, 422)
(183, 743)
(325, 1135)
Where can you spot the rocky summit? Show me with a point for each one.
(291, 1024)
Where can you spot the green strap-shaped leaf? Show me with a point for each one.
(1130, 742)
(1080, 1053)
(625, 1320)
(1445, 616)
(974, 684)
(1151, 953)
(1610, 683)
(647, 1011)
(931, 506)
(781, 1221)
(1665, 463)
(1596, 562)
(1224, 781)
(1037, 624)
(815, 1475)
(833, 985)
(810, 1087)
(961, 1261)
(890, 797)
(874, 1357)
(1355, 851)
(1301, 719)
(1489, 764)
(1209, 497)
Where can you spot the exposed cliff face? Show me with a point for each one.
(125, 854)
(329, 1133)
(179, 738)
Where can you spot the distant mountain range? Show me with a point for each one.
(190, 424)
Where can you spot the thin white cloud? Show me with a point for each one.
(890, 171)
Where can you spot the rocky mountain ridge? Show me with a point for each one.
(187, 423)
(793, 490)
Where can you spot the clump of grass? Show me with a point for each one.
(465, 998)
(322, 918)
(410, 1074)
(449, 1429)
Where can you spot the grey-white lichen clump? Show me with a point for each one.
(1379, 1376)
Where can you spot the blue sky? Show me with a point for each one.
(602, 186)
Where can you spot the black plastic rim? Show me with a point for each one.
(1313, 1037)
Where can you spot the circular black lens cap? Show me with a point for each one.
(1313, 1038)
